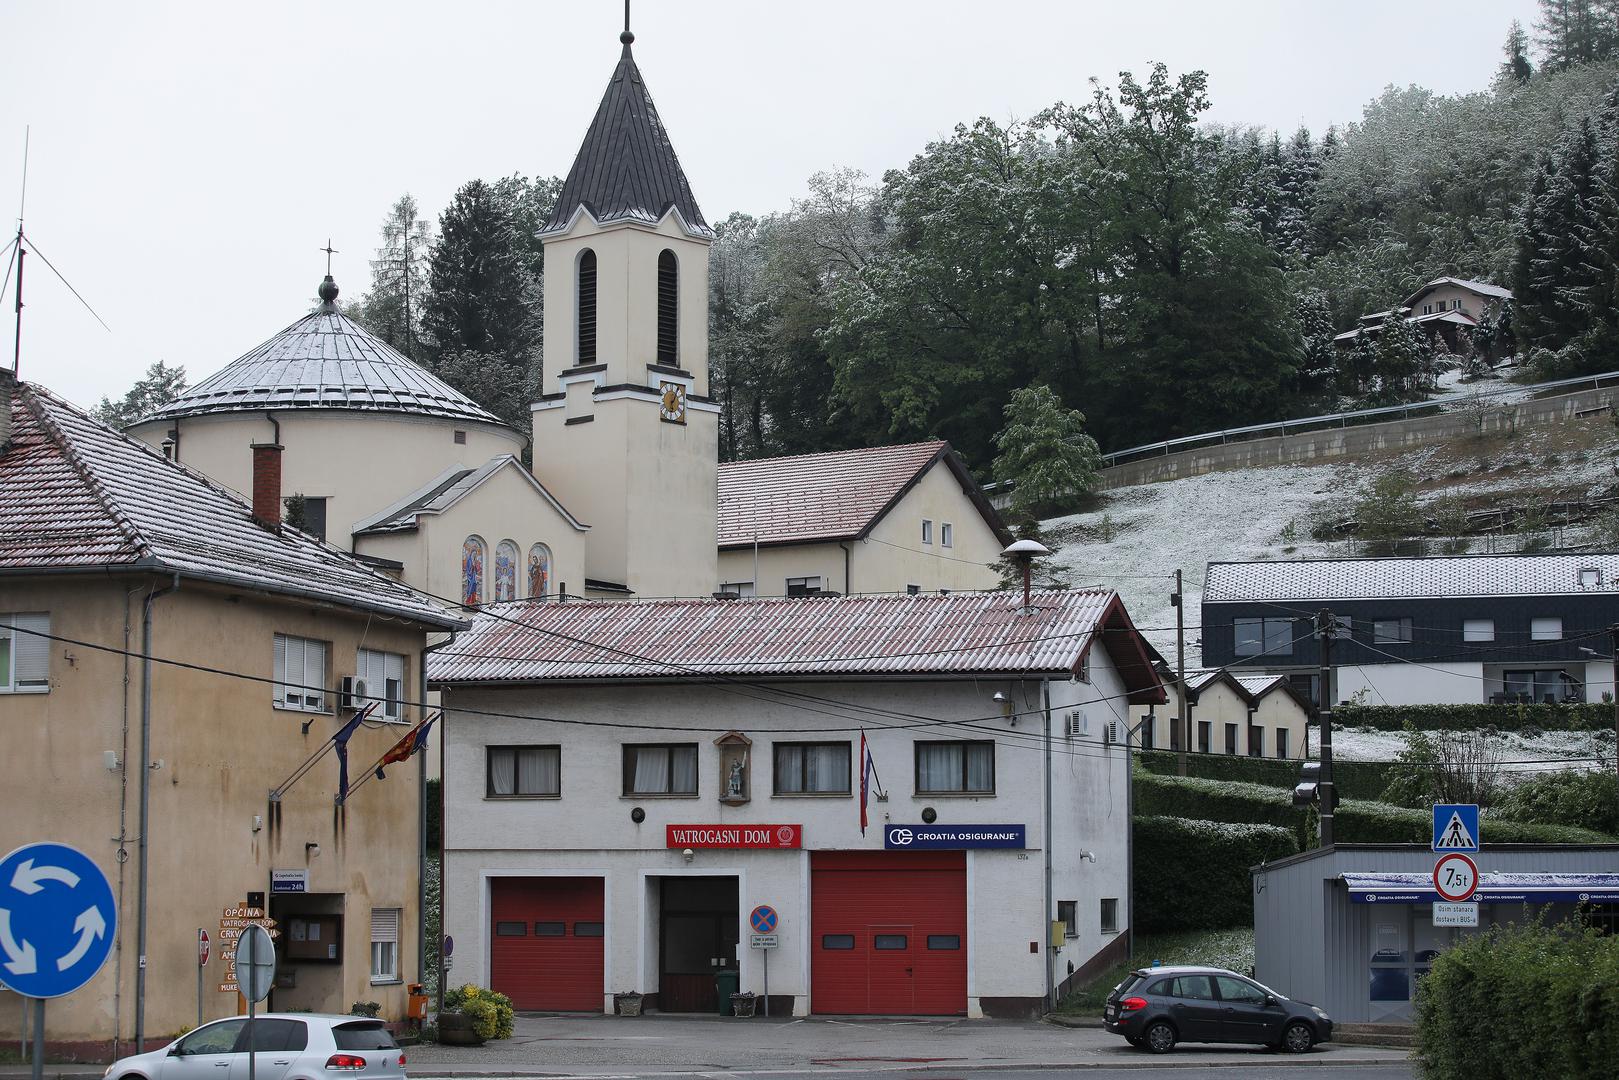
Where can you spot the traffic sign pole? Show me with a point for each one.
(39, 1038)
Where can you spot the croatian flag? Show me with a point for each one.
(868, 769)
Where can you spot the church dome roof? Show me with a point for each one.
(325, 360)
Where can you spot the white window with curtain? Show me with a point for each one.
(25, 656)
(812, 768)
(527, 772)
(384, 945)
(955, 768)
(300, 673)
(660, 769)
(384, 676)
(1478, 629)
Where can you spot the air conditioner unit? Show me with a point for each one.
(351, 693)
(1110, 733)
(1074, 724)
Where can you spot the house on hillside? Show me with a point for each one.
(878, 519)
(895, 775)
(1444, 629)
(1251, 713)
(109, 552)
(1445, 309)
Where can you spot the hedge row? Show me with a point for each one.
(1578, 717)
(1218, 800)
(1361, 779)
(1359, 821)
(1193, 875)
(1521, 1001)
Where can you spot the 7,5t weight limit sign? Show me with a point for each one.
(1455, 877)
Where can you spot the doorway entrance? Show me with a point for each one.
(698, 932)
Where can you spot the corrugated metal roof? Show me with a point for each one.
(1438, 576)
(626, 169)
(75, 494)
(832, 496)
(325, 360)
(959, 633)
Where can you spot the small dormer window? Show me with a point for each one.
(587, 308)
(1590, 578)
(668, 294)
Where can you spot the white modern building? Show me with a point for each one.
(626, 783)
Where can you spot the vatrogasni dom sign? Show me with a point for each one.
(735, 836)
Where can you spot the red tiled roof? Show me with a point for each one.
(854, 636)
(75, 494)
(833, 496)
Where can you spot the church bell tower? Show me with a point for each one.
(624, 431)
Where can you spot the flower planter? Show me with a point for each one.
(743, 1004)
(455, 1029)
(627, 1004)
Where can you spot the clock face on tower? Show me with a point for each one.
(673, 407)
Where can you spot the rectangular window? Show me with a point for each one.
(1256, 742)
(1147, 732)
(1549, 629)
(927, 531)
(300, 673)
(890, 942)
(1068, 915)
(804, 586)
(947, 535)
(524, 771)
(660, 769)
(1203, 727)
(550, 929)
(1391, 631)
(945, 942)
(1110, 915)
(1264, 637)
(1231, 738)
(812, 768)
(837, 942)
(384, 676)
(1281, 742)
(25, 655)
(385, 944)
(743, 589)
(1547, 686)
(587, 929)
(962, 768)
(511, 929)
(1478, 629)
(314, 515)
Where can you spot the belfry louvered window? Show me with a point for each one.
(587, 307)
(668, 279)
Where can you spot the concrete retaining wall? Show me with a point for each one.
(1328, 443)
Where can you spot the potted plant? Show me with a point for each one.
(744, 1003)
(627, 1003)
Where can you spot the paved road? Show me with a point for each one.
(602, 1046)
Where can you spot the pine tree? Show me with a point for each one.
(392, 307)
(1404, 357)
(1044, 451)
(160, 385)
(1554, 271)
(1515, 70)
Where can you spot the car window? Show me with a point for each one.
(363, 1036)
(1162, 988)
(217, 1038)
(1130, 982)
(1238, 991)
(1197, 987)
(272, 1035)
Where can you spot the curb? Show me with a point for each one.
(941, 1067)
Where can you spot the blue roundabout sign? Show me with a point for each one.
(57, 920)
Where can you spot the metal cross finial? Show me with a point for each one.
(626, 16)
(330, 251)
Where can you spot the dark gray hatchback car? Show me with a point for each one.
(1155, 1008)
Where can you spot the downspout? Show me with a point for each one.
(848, 586)
(146, 808)
(443, 803)
(1045, 844)
(123, 837)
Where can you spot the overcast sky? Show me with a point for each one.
(188, 159)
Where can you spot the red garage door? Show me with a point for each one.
(888, 933)
(546, 942)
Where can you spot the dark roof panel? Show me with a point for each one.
(626, 169)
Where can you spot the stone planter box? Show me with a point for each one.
(627, 1004)
(744, 1004)
(455, 1029)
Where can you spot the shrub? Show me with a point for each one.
(1483, 1009)
(491, 1012)
(1589, 800)
(1217, 800)
(1171, 852)
(1361, 779)
(1576, 717)
(1362, 822)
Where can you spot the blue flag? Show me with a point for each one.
(341, 741)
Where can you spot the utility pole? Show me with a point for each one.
(1325, 629)
(1182, 722)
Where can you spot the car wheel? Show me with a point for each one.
(1298, 1037)
(1159, 1037)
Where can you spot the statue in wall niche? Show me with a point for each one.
(733, 787)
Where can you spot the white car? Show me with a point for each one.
(289, 1046)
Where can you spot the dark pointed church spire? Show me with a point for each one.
(626, 169)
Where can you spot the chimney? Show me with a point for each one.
(267, 483)
(8, 390)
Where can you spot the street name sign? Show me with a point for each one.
(764, 941)
(289, 881)
(58, 920)
(1448, 914)
(1455, 877)
(1455, 827)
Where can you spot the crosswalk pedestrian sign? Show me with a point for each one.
(1455, 827)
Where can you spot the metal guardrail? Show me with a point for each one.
(1342, 419)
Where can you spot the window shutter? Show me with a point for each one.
(668, 276)
(32, 653)
(281, 649)
(384, 924)
(587, 308)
